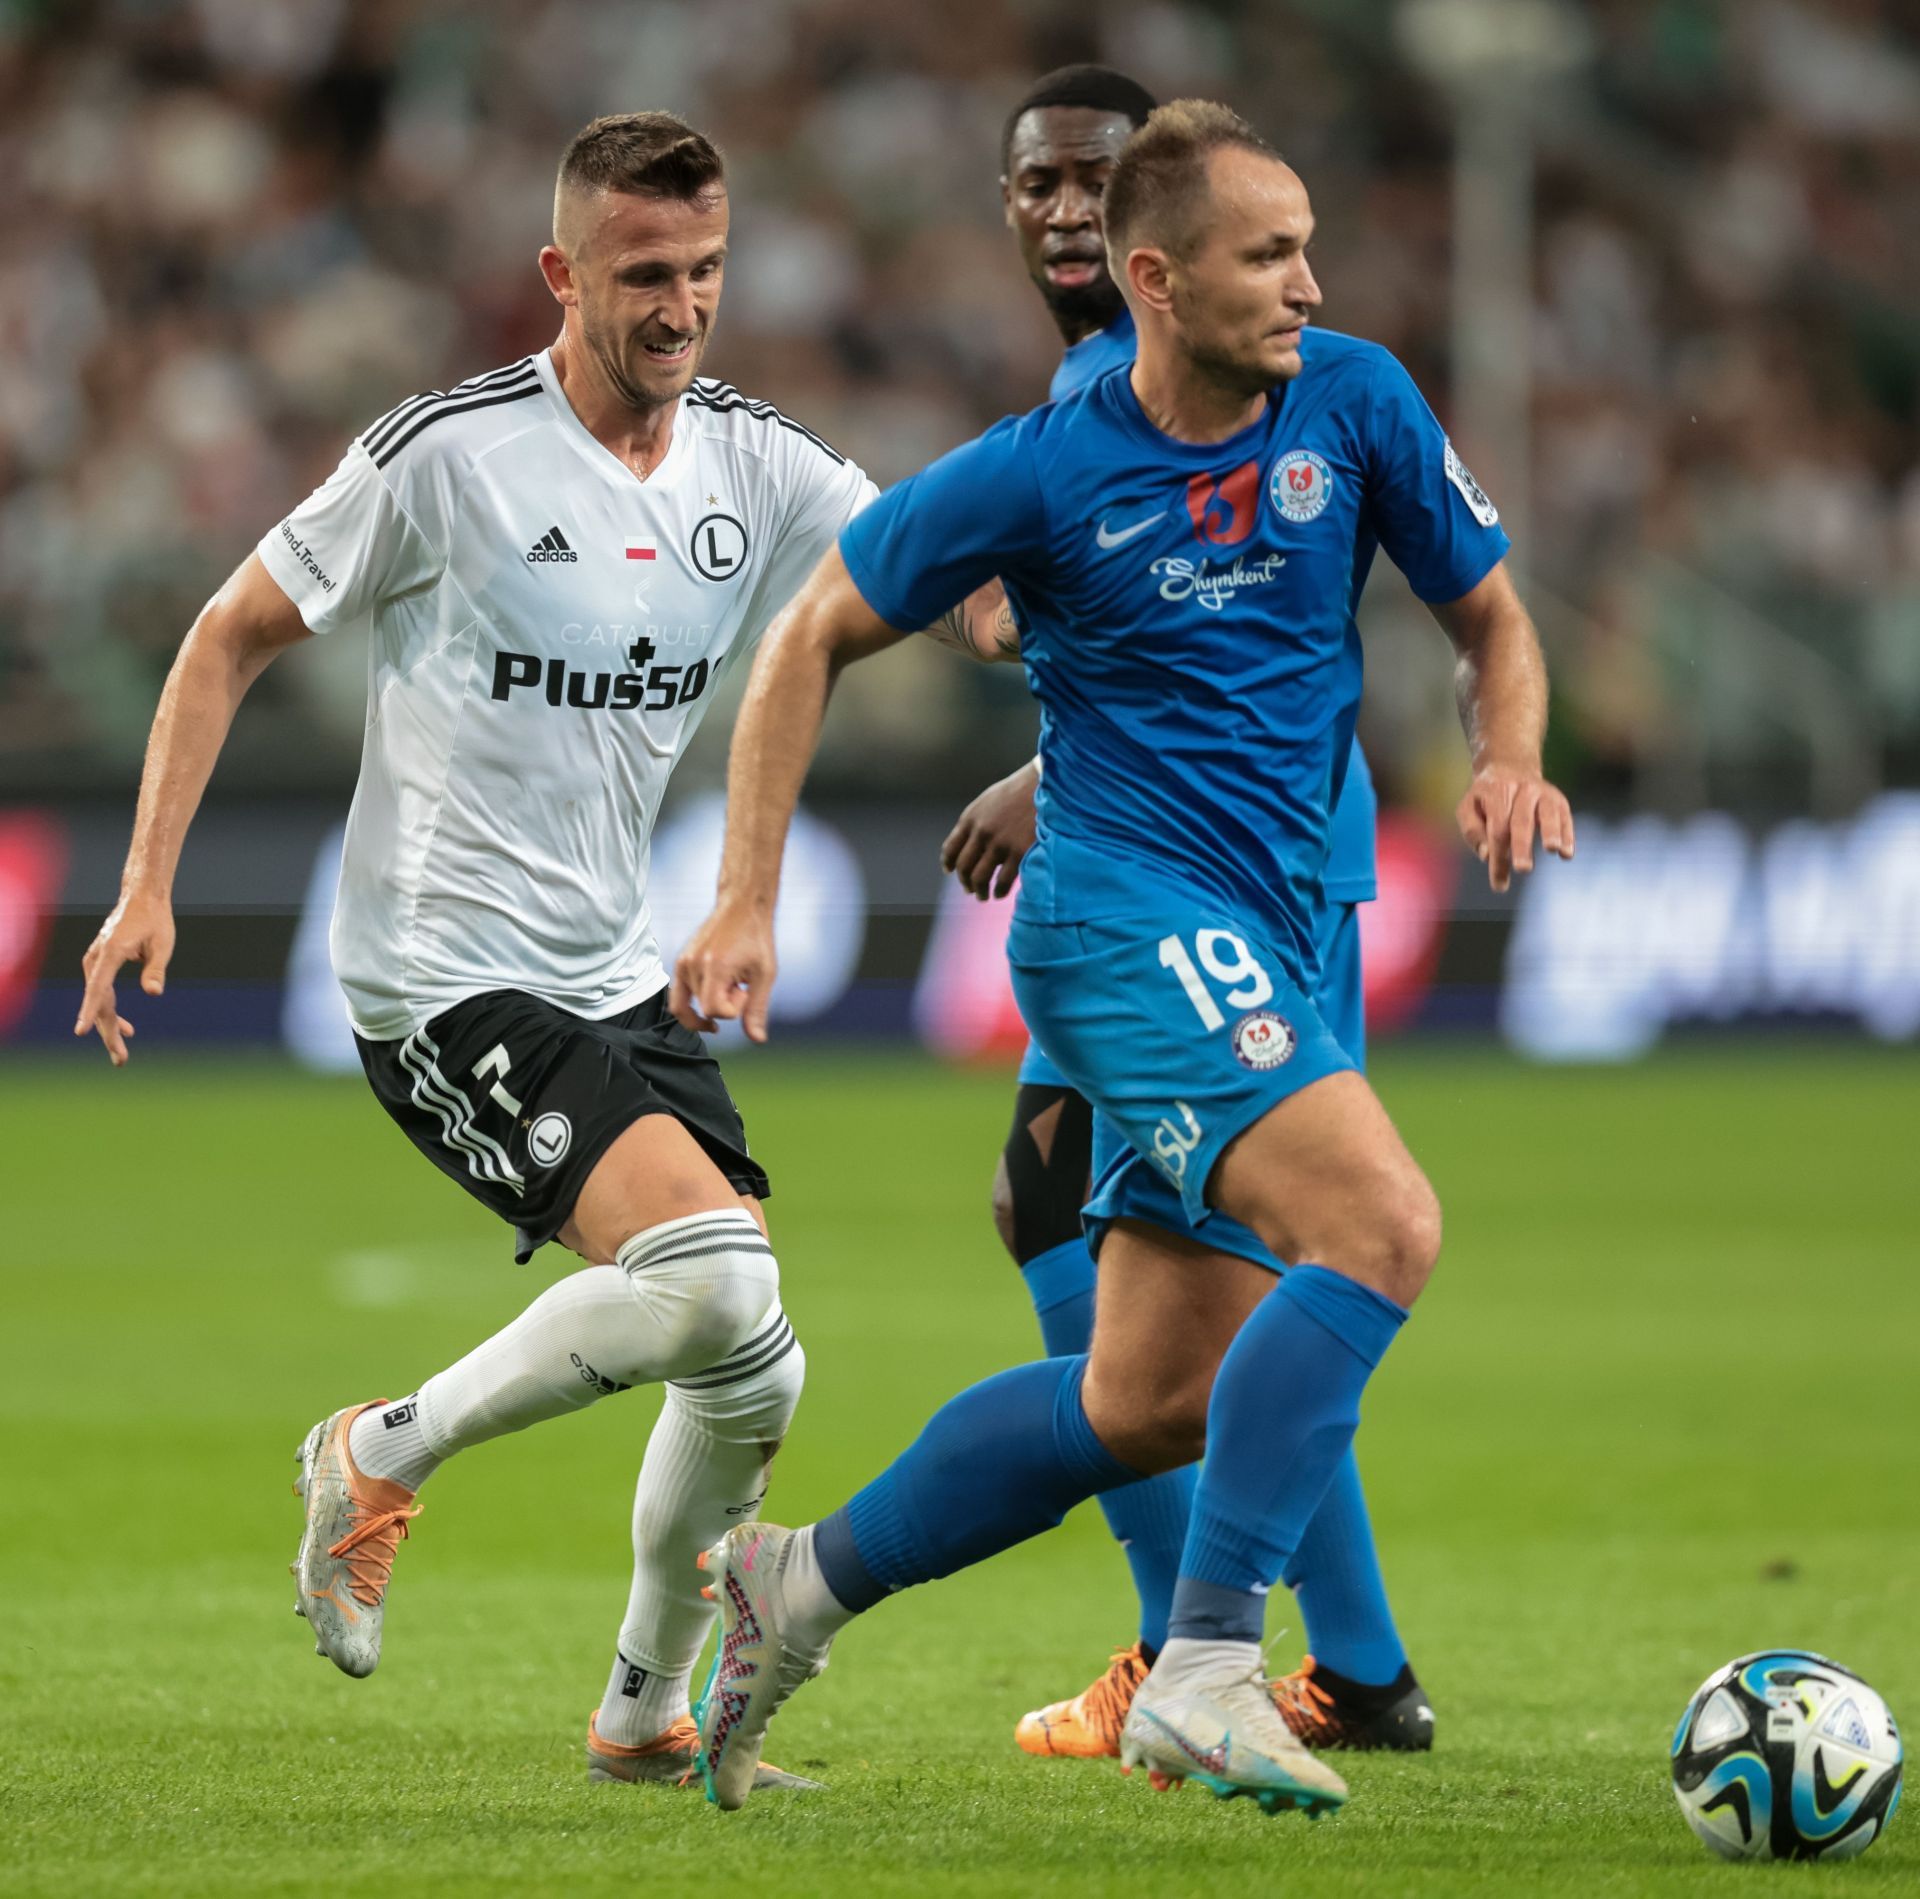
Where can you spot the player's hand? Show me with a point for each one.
(1505, 808)
(140, 930)
(725, 972)
(992, 835)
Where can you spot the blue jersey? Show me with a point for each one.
(1349, 876)
(1187, 615)
(1090, 358)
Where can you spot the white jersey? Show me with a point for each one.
(546, 632)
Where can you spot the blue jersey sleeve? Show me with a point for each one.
(930, 541)
(1431, 516)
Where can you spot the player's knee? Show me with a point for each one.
(1003, 1210)
(1041, 1184)
(722, 1315)
(1160, 1440)
(707, 1286)
(1403, 1243)
(1154, 1429)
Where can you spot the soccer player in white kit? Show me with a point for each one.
(553, 564)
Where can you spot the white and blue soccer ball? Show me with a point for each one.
(1786, 1755)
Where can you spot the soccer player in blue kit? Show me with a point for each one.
(1355, 1688)
(1197, 699)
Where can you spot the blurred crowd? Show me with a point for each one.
(237, 230)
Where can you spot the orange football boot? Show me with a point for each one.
(670, 1757)
(354, 1526)
(1326, 1715)
(1087, 1727)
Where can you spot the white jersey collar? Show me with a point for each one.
(665, 476)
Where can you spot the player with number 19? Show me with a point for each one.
(1197, 696)
(1356, 1687)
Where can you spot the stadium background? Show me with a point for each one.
(1657, 264)
(1691, 378)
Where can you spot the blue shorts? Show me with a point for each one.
(1182, 1026)
(1125, 1187)
(1036, 1071)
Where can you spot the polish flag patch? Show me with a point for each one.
(641, 550)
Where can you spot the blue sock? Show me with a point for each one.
(1149, 1517)
(1006, 1459)
(1282, 1416)
(1335, 1573)
(1060, 1283)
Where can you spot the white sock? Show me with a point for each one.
(388, 1441)
(811, 1613)
(639, 1706)
(1185, 1663)
(705, 1470)
(684, 1294)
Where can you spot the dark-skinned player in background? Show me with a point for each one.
(1354, 1688)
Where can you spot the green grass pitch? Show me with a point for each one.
(1660, 1407)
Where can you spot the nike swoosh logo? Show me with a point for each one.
(1214, 1760)
(1107, 539)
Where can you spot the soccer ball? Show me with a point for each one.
(1786, 1755)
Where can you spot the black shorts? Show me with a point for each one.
(516, 1099)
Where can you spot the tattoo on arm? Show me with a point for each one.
(951, 630)
(1006, 631)
(978, 635)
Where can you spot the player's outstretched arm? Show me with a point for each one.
(1500, 680)
(727, 967)
(237, 635)
(992, 836)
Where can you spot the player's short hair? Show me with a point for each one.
(651, 154)
(1159, 185)
(1097, 86)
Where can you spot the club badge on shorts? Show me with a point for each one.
(1300, 485)
(1263, 1040)
(549, 1138)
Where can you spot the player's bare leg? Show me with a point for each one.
(1171, 1321)
(1151, 1412)
(686, 1292)
(1325, 1180)
(1162, 1325)
(1167, 1311)
(1148, 1401)
(1325, 1177)
(1006, 1458)
(1155, 1275)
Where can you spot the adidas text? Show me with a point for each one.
(552, 545)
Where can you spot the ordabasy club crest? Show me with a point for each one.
(1301, 486)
